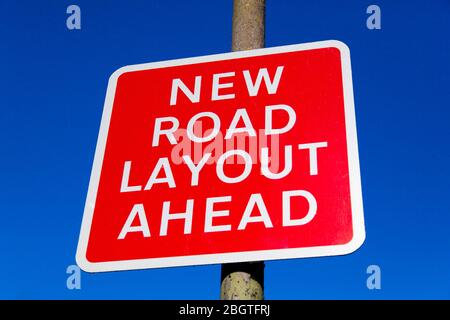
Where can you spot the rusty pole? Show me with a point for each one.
(248, 24)
(245, 281)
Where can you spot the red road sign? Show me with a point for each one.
(240, 156)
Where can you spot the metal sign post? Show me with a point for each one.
(245, 281)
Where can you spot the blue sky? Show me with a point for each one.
(52, 89)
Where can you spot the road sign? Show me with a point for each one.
(241, 156)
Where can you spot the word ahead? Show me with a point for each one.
(234, 157)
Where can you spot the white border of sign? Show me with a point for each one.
(353, 162)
